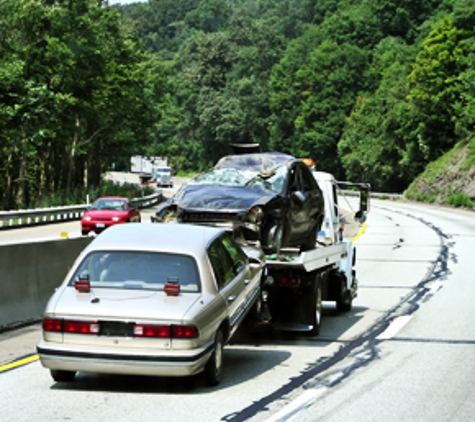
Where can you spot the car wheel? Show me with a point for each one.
(272, 239)
(317, 308)
(214, 368)
(62, 376)
(85, 232)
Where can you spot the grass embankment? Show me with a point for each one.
(448, 180)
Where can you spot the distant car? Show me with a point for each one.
(268, 198)
(156, 299)
(108, 211)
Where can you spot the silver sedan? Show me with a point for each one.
(151, 299)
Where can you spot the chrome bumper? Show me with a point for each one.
(81, 359)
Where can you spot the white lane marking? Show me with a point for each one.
(298, 404)
(394, 327)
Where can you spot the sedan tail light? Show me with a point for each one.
(156, 331)
(81, 327)
(57, 325)
(184, 331)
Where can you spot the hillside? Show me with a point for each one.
(448, 180)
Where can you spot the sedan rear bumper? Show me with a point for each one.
(59, 357)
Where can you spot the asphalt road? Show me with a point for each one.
(404, 353)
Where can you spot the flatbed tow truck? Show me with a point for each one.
(295, 284)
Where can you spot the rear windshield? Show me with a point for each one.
(138, 270)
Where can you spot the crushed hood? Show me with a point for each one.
(224, 198)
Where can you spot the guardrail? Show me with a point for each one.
(22, 218)
(376, 195)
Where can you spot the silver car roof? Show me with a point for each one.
(164, 237)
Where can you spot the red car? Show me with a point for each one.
(107, 211)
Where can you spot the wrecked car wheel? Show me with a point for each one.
(273, 238)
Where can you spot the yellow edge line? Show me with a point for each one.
(360, 233)
(18, 363)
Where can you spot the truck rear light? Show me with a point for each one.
(289, 280)
(81, 327)
(184, 331)
(152, 331)
(53, 325)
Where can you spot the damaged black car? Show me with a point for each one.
(266, 198)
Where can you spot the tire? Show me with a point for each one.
(317, 308)
(214, 368)
(84, 232)
(272, 238)
(62, 376)
(346, 300)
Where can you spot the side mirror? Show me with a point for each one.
(360, 216)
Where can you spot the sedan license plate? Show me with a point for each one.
(116, 329)
(100, 225)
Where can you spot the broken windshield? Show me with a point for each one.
(240, 177)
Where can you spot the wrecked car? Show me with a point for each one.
(265, 198)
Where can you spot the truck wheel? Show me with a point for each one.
(345, 304)
(346, 300)
(214, 368)
(317, 309)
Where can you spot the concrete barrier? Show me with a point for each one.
(30, 272)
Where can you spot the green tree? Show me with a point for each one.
(310, 104)
(74, 90)
(373, 147)
(436, 85)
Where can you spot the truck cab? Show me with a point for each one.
(163, 177)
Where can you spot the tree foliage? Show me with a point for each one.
(73, 95)
(370, 90)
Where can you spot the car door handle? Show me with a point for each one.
(232, 298)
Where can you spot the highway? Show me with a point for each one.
(404, 353)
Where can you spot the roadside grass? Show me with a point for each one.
(459, 200)
(444, 179)
(422, 197)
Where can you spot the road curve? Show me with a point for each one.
(402, 353)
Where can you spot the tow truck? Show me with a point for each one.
(295, 284)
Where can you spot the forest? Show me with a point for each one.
(373, 91)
